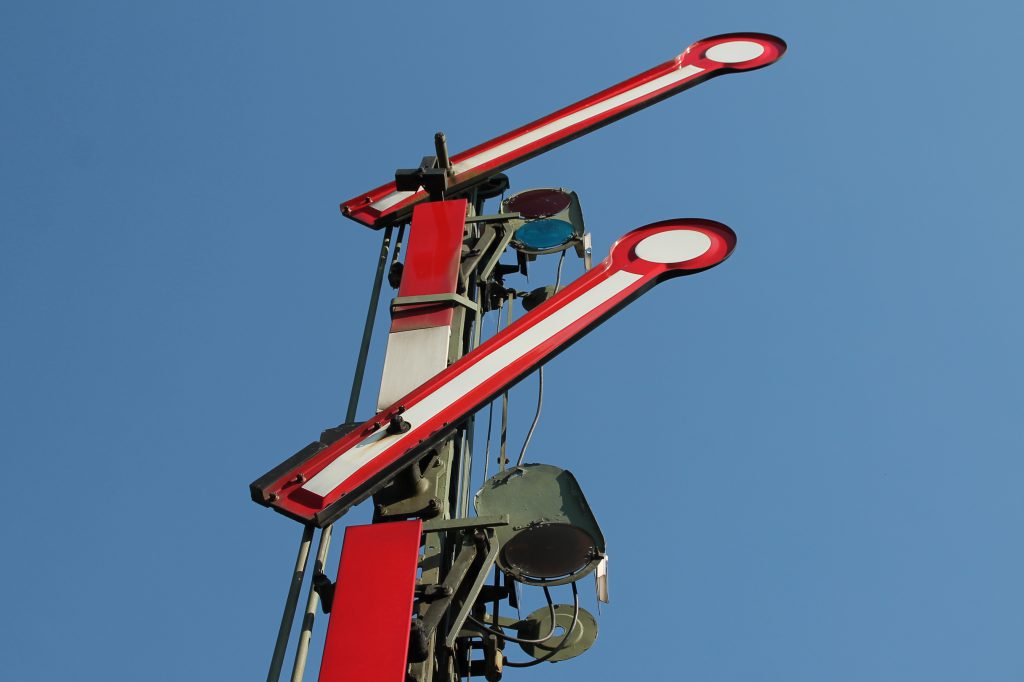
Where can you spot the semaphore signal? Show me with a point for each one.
(411, 600)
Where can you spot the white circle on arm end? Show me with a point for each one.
(673, 246)
(735, 52)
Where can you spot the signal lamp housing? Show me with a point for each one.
(552, 537)
(552, 220)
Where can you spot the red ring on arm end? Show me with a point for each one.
(734, 52)
(638, 250)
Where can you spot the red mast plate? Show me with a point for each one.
(705, 59)
(318, 486)
(368, 634)
(431, 264)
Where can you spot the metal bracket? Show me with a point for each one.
(323, 586)
(413, 492)
(585, 250)
(466, 577)
(494, 218)
(471, 260)
(458, 299)
(506, 237)
(432, 175)
(436, 525)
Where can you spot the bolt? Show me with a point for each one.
(274, 497)
(397, 424)
(437, 591)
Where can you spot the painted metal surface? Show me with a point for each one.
(703, 60)
(312, 602)
(582, 636)
(322, 485)
(552, 536)
(431, 263)
(368, 635)
(285, 629)
(420, 333)
(412, 357)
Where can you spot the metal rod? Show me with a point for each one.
(502, 457)
(312, 602)
(285, 631)
(490, 406)
(371, 316)
(398, 244)
(441, 149)
(467, 478)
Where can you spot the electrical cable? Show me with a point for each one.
(540, 380)
(558, 271)
(536, 416)
(520, 640)
(490, 407)
(502, 457)
(561, 642)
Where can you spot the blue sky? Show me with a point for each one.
(807, 462)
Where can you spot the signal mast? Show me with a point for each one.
(419, 592)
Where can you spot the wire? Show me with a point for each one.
(536, 416)
(490, 407)
(540, 379)
(561, 642)
(502, 457)
(520, 640)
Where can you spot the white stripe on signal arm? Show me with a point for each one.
(556, 126)
(459, 386)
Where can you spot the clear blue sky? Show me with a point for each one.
(807, 462)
